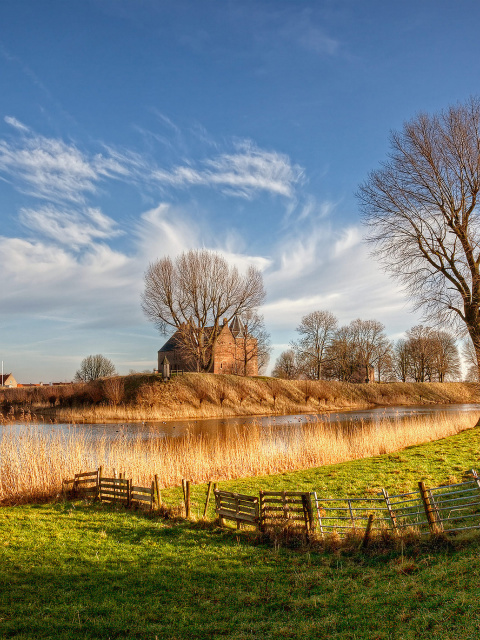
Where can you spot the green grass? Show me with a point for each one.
(440, 462)
(77, 570)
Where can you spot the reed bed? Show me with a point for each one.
(34, 459)
(204, 395)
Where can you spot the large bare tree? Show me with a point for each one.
(194, 293)
(422, 214)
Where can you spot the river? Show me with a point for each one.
(227, 426)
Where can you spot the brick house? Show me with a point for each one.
(234, 351)
(7, 380)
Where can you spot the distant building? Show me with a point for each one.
(7, 380)
(234, 351)
(362, 374)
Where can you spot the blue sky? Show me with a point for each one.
(134, 129)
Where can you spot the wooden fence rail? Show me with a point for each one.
(291, 509)
(115, 490)
(241, 508)
(449, 508)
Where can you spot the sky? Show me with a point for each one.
(132, 130)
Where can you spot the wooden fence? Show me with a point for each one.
(292, 509)
(115, 490)
(447, 509)
(238, 507)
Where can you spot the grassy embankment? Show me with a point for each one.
(193, 395)
(87, 571)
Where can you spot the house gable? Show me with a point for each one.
(7, 380)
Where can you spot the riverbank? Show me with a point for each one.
(196, 396)
(70, 570)
(34, 460)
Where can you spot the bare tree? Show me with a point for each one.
(401, 361)
(422, 214)
(95, 367)
(286, 365)
(341, 356)
(421, 352)
(193, 293)
(253, 340)
(384, 364)
(114, 390)
(369, 341)
(427, 355)
(446, 360)
(317, 330)
(356, 348)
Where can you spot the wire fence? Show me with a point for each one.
(445, 509)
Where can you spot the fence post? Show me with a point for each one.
(438, 517)
(100, 475)
(428, 507)
(187, 499)
(209, 490)
(368, 529)
(153, 495)
(129, 492)
(390, 511)
(184, 490)
(262, 513)
(308, 512)
(318, 513)
(157, 486)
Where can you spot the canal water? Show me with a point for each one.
(229, 426)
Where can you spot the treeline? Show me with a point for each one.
(362, 352)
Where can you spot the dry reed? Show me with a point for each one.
(35, 459)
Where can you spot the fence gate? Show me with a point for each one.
(283, 509)
(238, 507)
(115, 490)
(344, 515)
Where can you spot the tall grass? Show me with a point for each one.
(198, 395)
(34, 461)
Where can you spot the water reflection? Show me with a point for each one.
(227, 427)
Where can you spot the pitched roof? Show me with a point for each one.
(236, 326)
(171, 343)
(4, 378)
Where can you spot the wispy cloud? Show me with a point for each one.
(16, 124)
(244, 173)
(51, 169)
(72, 228)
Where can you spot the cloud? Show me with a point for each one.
(51, 169)
(243, 174)
(42, 278)
(326, 267)
(72, 228)
(167, 230)
(16, 124)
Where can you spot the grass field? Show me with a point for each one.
(77, 570)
